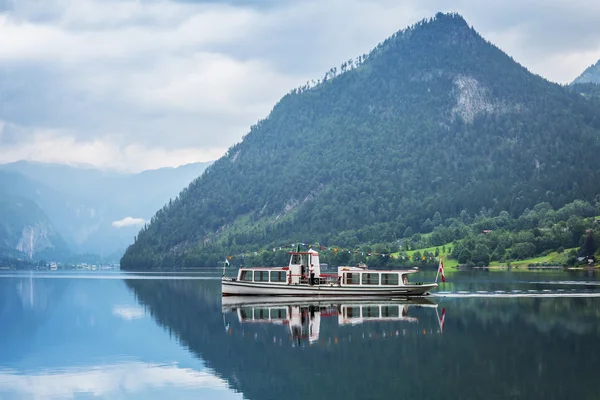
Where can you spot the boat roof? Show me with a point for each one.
(303, 252)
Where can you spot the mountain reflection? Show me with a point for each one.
(493, 349)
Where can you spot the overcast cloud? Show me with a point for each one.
(132, 85)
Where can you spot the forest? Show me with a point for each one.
(572, 231)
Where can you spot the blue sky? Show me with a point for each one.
(138, 84)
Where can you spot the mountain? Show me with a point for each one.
(588, 83)
(96, 211)
(435, 120)
(25, 230)
(590, 91)
(590, 75)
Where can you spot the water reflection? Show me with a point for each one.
(79, 338)
(492, 348)
(302, 318)
(177, 338)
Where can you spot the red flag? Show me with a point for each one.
(442, 318)
(441, 270)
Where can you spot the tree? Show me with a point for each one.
(523, 250)
(589, 246)
(481, 255)
(417, 257)
(437, 219)
(577, 228)
(427, 226)
(464, 217)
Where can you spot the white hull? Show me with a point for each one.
(237, 288)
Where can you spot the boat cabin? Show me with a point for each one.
(361, 276)
(305, 268)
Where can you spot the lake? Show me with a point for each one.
(482, 335)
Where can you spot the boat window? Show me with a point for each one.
(370, 311)
(246, 312)
(389, 279)
(297, 259)
(351, 278)
(352, 312)
(261, 276)
(246, 276)
(278, 313)
(370, 279)
(278, 276)
(390, 311)
(261, 313)
(405, 279)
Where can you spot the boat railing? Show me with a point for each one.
(329, 279)
(323, 279)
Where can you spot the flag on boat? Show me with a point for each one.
(226, 262)
(441, 270)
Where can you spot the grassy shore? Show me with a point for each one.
(551, 259)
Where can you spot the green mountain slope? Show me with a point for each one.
(590, 91)
(434, 119)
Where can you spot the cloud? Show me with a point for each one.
(128, 312)
(143, 84)
(128, 221)
(62, 146)
(104, 380)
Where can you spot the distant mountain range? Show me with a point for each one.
(25, 229)
(433, 121)
(82, 210)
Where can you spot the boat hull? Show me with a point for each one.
(237, 288)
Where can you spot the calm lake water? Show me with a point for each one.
(483, 335)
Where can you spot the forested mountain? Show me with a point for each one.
(590, 91)
(434, 120)
(590, 75)
(89, 207)
(25, 230)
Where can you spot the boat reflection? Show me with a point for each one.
(304, 319)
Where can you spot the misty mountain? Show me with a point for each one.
(97, 211)
(25, 230)
(433, 121)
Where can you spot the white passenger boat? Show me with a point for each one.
(303, 277)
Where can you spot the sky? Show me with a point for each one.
(131, 85)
